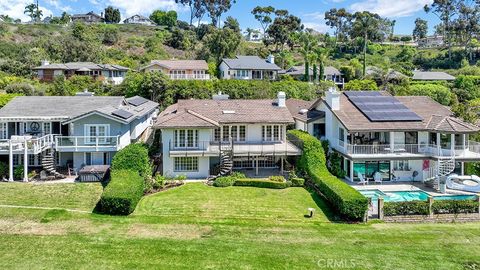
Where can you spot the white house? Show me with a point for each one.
(180, 69)
(71, 131)
(138, 19)
(202, 138)
(249, 68)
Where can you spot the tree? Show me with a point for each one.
(339, 20)
(166, 18)
(263, 15)
(110, 35)
(444, 10)
(466, 25)
(222, 43)
(280, 31)
(421, 29)
(112, 15)
(361, 85)
(232, 23)
(322, 56)
(285, 59)
(216, 8)
(30, 11)
(197, 9)
(65, 18)
(307, 42)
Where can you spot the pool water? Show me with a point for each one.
(405, 196)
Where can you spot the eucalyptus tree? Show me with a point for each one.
(216, 8)
(30, 10)
(445, 10)
(466, 25)
(339, 20)
(197, 9)
(264, 16)
(421, 29)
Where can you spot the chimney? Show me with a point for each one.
(45, 62)
(85, 93)
(220, 96)
(271, 59)
(281, 99)
(333, 98)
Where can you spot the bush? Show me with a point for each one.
(238, 175)
(122, 193)
(261, 183)
(297, 182)
(5, 98)
(3, 169)
(134, 157)
(350, 204)
(360, 85)
(18, 172)
(406, 208)
(224, 181)
(439, 93)
(454, 206)
(277, 178)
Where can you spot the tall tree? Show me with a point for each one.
(444, 10)
(421, 29)
(222, 43)
(467, 24)
(112, 15)
(339, 20)
(197, 9)
(30, 10)
(38, 13)
(307, 42)
(216, 8)
(166, 18)
(232, 23)
(322, 56)
(280, 31)
(264, 16)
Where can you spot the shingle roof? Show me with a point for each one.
(432, 76)
(436, 117)
(82, 65)
(180, 64)
(210, 113)
(71, 107)
(329, 70)
(300, 110)
(250, 62)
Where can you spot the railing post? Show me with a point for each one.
(76, 143)
(10, 161)
(96, 143)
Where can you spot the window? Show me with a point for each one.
(319, 130)
(31, 160)
(3, 130)
(217, 134)
(272, 133)
(224, 133)
(445, 140)
(88, 158)
(401, 165)
(432, 138)
(341, 136)
(242, 133)
(186, 138)
(411, 137)
(234, 133)
(186, 164)
(47, 128)
(97, 131)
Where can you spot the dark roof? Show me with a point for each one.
(432, 76)
(300, 110)
(250, 62)
(436, 117)
(211, 113)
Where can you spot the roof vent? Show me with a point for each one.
(303, 111)
(220, 96)
(85, 93)
(228, 112)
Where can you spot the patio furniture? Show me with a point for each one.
(377, 177)
(363, 181)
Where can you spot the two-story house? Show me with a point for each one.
(138, 19)
(403, 138)
(249, 68)
(180, 69)
(113, 74)
(74, 130)
(90, 17)
(197, 134)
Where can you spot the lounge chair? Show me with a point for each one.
(377, 177)
(362, 179)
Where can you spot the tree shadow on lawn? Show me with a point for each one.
(323, 205)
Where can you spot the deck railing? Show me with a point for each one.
(189, 76)
(79, 142)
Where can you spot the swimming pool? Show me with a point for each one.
(413, 195)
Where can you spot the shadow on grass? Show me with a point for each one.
(322, 204)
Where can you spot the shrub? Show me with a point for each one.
(277, 178)
(350, 204)
(3, 169)
(261, 183)
(18, 172)
(224, 181)
(406, 208)
(134, 157)
(361, 85)
(122, 193)
(238, 175)
(297, 182)
(454, 206)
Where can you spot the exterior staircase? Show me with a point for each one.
(443, 167)
(48, 164)
(226, 161)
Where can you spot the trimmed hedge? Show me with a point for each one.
(345, 199)
(224, 181)
(133, 157)
(406, 208)
(122, 193)
(297, 182)
(454, 206)
(261, 183)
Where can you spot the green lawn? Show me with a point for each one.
(198, 227)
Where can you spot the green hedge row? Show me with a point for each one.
(350, 204)
(261, 183)
(133, 157)
(122, 193)
(406, 208)
(454, 206)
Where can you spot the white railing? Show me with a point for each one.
(189, 76)
(82, 142)
(240, 148)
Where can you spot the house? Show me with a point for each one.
(249, 68)
(334, 75)
(70, 131)
(180, 69)
(202, 138)
(306, 117)
(108, 73)
(138, 19)
(431, 42)
(90, 17)
(403, 138)
(330, 74)
(431, 76)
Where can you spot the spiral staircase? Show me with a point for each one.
(444, 166)
(226, 161)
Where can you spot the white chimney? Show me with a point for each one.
(333, 98)
(271, 59)
(45, 62)
(281, 99)
(220, 96)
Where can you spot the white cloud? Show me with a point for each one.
(315, 15)
(144, 7)
(319, 27)
(15, 8)
(389, 8)
(58, 5)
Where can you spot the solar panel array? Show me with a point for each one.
(122, 114)
(379, 108)
(137, 101)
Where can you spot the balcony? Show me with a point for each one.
(250, 148)
(87, 143)
(189, 76)
(33, 145)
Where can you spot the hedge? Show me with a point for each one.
(297, 182)
(122, 193)
(224, 181)
(350, 204)
(454, 206)
(261, 183)
(406, 208)
(133, 157)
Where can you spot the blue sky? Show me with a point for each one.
(310, 11)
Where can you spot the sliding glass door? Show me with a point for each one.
(369, 168)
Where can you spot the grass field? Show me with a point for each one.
(200, 227)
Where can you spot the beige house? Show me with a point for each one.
(180, 69)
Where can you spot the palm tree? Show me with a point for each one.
(312, 58)
(308, 41)
(285, 58)
(322, 56)
(30, 10)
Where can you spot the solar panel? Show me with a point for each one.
(379, 108)
(122, 114)
(137, 101)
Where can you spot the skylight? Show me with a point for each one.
(228, 112)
